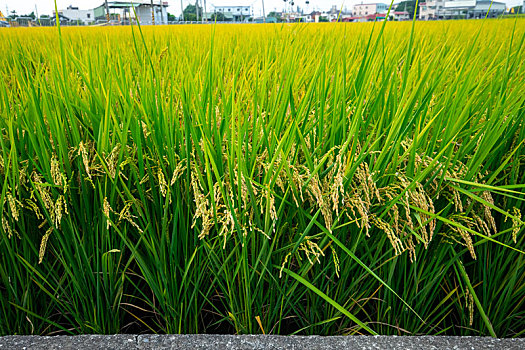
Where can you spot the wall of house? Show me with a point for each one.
(144, 15)
(85, 16)
(235, 10)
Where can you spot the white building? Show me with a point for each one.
(323, 17)
(401, 15)
(433, 9)
(239, 13)
(369, 9)
(144, 12)
(73, 14)
(440, 9)
(122, 11)
(474, 8)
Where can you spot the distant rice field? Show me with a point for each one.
(329, 179)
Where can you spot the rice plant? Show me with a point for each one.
(327, 179)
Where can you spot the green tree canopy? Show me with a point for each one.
(218, 16)
(276, 15)
(408, 6)
(191, 9)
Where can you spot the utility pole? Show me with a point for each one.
(264, 13)
(197, 9)
(107, 10)
(204, 18)
(152, 13)
(36, 13)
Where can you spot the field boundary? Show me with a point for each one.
(260, 342)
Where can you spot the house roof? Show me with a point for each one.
(128, 4)
(375, 16)
(227, 15)
(231, 6)
(370, 4)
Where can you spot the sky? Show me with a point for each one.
(46, 7)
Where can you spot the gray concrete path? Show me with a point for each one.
(227, 342)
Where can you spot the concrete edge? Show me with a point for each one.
(259, 342)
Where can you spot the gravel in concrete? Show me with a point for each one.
(229, 342)
(81, 342)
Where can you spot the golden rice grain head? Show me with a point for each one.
(179, 169)
(13, 206)
(125, 214)
(29, 203)
(59, 210)
(487, 211)
(469, 298)
(112, 160)
(43, 245)
(386, 228)
(56, 173)
(312, 251)
(6, 227)
(467, 240)
(162, 183)
(106, 210)
(285, 261)
(335, 258)
(516, 223)
(82, 151)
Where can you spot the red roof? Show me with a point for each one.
(375, 16)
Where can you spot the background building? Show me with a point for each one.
(238, 13)
(121, 12)
(439, 9)
(3, 20)
(73, 14)
(362, 10)
(474, 9)
(400, 15)
(434, 9)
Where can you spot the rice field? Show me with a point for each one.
(331, 179)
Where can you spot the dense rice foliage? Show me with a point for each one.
(309, 179)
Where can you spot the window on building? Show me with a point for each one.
(89, 15)
(229, 10)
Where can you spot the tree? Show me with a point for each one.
(408, 6)
(276, 15)
(218, 17)
(190, 13)
(14, 15)
(171, 18)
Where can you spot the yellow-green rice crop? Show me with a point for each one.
(309, 179)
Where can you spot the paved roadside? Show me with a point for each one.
(246, 342)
